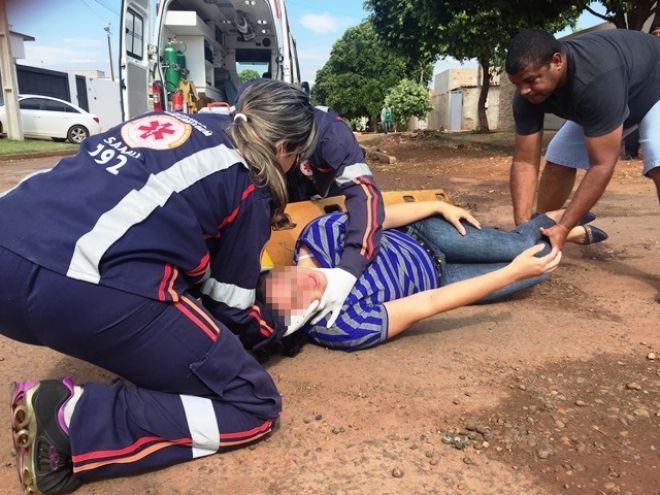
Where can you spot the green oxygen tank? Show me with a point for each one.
(172, 74)
(181, 62)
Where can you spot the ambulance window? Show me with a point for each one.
(134, 34)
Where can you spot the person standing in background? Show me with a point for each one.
(386, 118)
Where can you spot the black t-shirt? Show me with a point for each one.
(613, 78)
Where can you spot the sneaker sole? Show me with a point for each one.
(24, 429)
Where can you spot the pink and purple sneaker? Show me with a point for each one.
(41, 436)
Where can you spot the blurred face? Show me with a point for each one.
(293, 288)
(537, 83)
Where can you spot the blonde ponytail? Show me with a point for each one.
(267, 113)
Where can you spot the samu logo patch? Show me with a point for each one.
(156, 132)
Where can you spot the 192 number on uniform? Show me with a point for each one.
(106, 155)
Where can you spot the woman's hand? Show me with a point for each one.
(527, 265)
(454, 215)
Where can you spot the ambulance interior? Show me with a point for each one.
(205, 44)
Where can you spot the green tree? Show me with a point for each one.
(359, 72)
(465, 29)
(248, 75)
(408, 99)
(628, 14)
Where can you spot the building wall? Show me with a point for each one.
(467, 80)
(450, 79)
(438, 118)
(470, 120)
(17, 47)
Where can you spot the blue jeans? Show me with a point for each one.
(480, 251)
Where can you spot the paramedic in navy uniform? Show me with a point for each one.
(101, 258)
(338, 167)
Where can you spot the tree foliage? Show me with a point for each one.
(359, 72)
(465, 29)
(248, 75)
(408, 99)
(628, 14)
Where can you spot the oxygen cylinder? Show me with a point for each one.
(181, 62)
(172, 74)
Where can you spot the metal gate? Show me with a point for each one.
(81, 92)
(456, 111)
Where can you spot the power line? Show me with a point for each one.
(93, 10)
(106, 7)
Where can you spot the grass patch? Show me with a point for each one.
(11, 147)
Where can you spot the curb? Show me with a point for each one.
(40, 154)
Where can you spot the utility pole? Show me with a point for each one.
(112, 70)
(9, 86)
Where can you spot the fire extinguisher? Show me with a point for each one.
(155, 97)
(177, 101)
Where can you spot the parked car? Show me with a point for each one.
(44, 116)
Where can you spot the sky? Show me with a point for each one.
(70, 35)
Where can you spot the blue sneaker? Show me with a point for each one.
(41, 437)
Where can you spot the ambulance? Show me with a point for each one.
(187, 54)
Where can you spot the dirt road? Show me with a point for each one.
(556, 391)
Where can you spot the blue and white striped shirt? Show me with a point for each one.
(401, 268)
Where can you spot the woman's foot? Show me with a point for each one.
(586, 234)
(555, 216)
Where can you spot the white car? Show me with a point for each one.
(47, 117)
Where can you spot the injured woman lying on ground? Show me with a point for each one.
(434, 257)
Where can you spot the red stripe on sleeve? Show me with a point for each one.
(201, 267)
(163, 282)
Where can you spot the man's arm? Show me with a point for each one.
(603, 154)
(524, 175)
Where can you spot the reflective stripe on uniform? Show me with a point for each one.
(229, 294)
(202, 424)
(137, 205)
(352, 172)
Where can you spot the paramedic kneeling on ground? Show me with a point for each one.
(605, 84)
(102, 258)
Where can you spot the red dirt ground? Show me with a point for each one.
(552, 392)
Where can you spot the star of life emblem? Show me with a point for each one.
(156, 132)
(306, 168)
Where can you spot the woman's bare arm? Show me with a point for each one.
(397, 215)
(402, 313)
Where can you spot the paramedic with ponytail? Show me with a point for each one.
(102, 258)
(338, 167)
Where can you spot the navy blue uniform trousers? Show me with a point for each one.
(194, 391)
